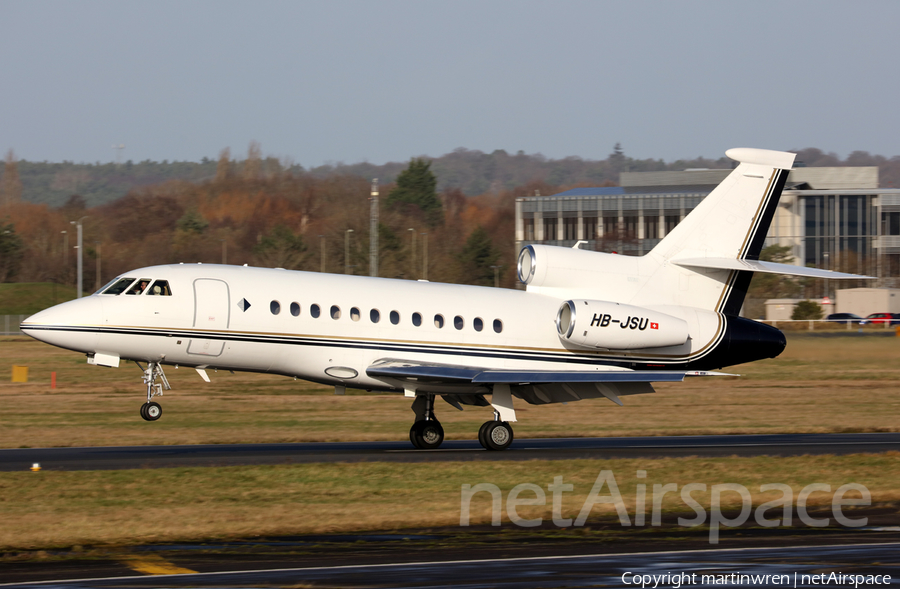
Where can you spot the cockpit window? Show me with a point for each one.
(118, 286)
(160, 288)
(139, 287)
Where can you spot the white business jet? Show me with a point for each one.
(588, 324)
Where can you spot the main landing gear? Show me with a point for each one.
(428, 434)
(495, 435)
(151, 411)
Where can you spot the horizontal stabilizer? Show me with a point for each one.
(766, 267)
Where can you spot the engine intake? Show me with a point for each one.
(614, 326)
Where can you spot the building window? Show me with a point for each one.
(570, 226)
(529, 228)
(611, 227)
(671, 222)
(550, 229)
(651, 227)
(589, 230)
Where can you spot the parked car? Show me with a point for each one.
(882, 318)
(846, 318)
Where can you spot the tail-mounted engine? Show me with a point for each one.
(614, 326)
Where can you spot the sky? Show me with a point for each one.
(386, 80)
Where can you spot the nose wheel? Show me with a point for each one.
(151, 411)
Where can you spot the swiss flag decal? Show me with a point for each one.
(654, 326)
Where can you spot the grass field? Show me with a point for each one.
(819, 384)
(833, 384)
(62, 509)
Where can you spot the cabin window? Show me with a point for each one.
(439, 321)
(478, 324)
(335, 312)
(374, 316)
(458, 322)
(275, 307)
(119, 286)
(395, 317)
(314, 311)
(295, 309)
(160, 288)
(498, 326)
(417, 319)
(139, 287)
(354, 314)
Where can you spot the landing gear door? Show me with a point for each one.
(212, 312)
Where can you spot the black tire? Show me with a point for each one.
(412, 435)
(428, 434)
(499, 435)
(144, 412)
(481, 430)
(152, 411)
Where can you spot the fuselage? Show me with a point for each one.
(330, 328)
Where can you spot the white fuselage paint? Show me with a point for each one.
(205, 323)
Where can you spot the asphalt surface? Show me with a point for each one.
(128, 457)
(801, 566)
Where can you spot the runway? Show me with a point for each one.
(796, 566)
(129, 457)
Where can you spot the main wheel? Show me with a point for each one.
(428, 435)
(481, 430)
(499, 435)
(151, 411)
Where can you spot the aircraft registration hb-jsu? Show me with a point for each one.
(588, 324)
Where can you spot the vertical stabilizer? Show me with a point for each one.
(732, 223)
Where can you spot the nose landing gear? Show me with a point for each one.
(151, 411)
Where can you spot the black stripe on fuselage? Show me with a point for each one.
(637, 363)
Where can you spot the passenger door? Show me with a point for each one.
(212, 313)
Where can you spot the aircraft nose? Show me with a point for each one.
(74, 325)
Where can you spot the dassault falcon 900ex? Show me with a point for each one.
(588, 324)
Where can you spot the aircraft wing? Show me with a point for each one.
(399, 369)
(467, 385)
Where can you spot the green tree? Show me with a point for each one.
(12, 251)
(774, 286)
(417, 186)
(11, 189)
(476, 259)
(281, 248)
(807, 310)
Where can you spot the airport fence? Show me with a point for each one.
(9, 324)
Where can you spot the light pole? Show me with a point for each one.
(80, 256)
(99, 283)
(496, 276)
(425, 256)
(373, 230)
(347, 250)
(412, 249)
